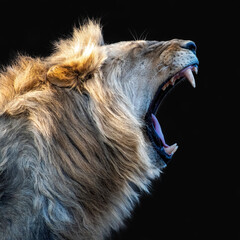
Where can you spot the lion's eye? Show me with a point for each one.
(153, 44)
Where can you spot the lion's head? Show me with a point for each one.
(145, 71)
(81, 128)
(141, 73)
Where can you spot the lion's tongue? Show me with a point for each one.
(168, 149)
(158, 130)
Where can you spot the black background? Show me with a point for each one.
(198, 195)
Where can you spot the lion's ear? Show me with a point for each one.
(61, 76)
(77, 59)
(74, 71)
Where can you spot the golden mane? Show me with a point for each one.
(86, 148)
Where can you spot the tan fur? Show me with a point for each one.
(72, 132)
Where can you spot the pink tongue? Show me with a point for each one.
(158, 130)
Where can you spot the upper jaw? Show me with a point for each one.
(186, 72)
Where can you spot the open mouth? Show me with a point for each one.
(153, 126)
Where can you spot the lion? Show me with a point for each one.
(79, 136)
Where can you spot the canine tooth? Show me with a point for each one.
(189, 75)
(165, 86)
(171, 149)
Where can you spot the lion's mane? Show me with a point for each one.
(72, 153)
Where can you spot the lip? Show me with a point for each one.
(157, 143)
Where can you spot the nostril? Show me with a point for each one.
(190, 46)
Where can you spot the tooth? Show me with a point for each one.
(189, 75)
(195, 69)
(165, 86)
(171, 149)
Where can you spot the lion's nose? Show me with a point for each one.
(190, 45)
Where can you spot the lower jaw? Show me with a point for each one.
(152, 135)
(157, 145)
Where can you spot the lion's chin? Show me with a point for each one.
(153, 126)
